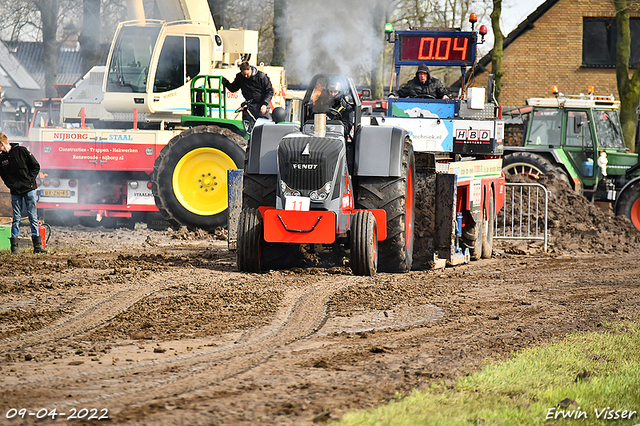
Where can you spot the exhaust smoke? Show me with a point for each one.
(333, 37)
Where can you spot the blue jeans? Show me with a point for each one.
(32, 210)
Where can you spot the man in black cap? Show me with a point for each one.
(256, 89)
(423, 85)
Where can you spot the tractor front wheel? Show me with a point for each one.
(472, 237)
(488, 220)
(364, 244)
(249, 238)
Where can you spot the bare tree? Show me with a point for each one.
(628, 88)
(279, 40)
(497, 52)
(90, 37)
(381, 14)
(49, 17)
(218, 8)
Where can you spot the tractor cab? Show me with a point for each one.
(328, 181)
(334, 101)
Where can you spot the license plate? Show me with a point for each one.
(59, 193)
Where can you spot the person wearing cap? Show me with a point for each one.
(423, 85)
(18, 170)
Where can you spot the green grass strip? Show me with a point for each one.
(585, 379)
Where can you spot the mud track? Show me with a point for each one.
(158, 327)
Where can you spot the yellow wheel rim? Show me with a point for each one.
(200, 181)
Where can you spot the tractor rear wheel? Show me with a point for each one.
(472, 237)
(249, 238)
(629, 205)
(396, 196)
(259, 190)
(530, 165)
(364, 244)
(189, 180)
(487, 226)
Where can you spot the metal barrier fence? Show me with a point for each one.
(523, 217)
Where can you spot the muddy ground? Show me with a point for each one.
(158, 328)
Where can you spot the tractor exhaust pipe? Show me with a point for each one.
(320, 124)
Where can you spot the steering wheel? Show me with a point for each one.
(334, 113)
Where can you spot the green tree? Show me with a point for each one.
(628, 87)
(497, 52)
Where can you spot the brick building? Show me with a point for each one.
(567, 43)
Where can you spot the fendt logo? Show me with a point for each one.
(304, 166)
(70, 136)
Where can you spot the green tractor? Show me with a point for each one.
(579, 139)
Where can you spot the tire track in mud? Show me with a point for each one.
(303, 312)
(99, 312)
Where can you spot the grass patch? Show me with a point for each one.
(579, 376)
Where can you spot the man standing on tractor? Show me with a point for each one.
(19, 169)
(423, 85)
(257, 91)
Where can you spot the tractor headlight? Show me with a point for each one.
(286, 191)
(322, 193)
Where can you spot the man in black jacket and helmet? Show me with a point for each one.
(423, 85)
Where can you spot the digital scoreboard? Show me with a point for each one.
(435, 48)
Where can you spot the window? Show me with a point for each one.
(193, 57)
(131, 59)
(578, 130)
(599, 39)
(608, 129)
(170, 72)
(545, 127)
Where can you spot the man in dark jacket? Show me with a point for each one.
(339, 105)
(19, 169)
(423, 85)
(257, 91)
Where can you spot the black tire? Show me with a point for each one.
(396, 196)
(156, 222)
(249, 238)
(629, 204)
(259, 190)
(472, 237)
(488, 220)
(189, 180)
(530, 165)
(364, 244)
